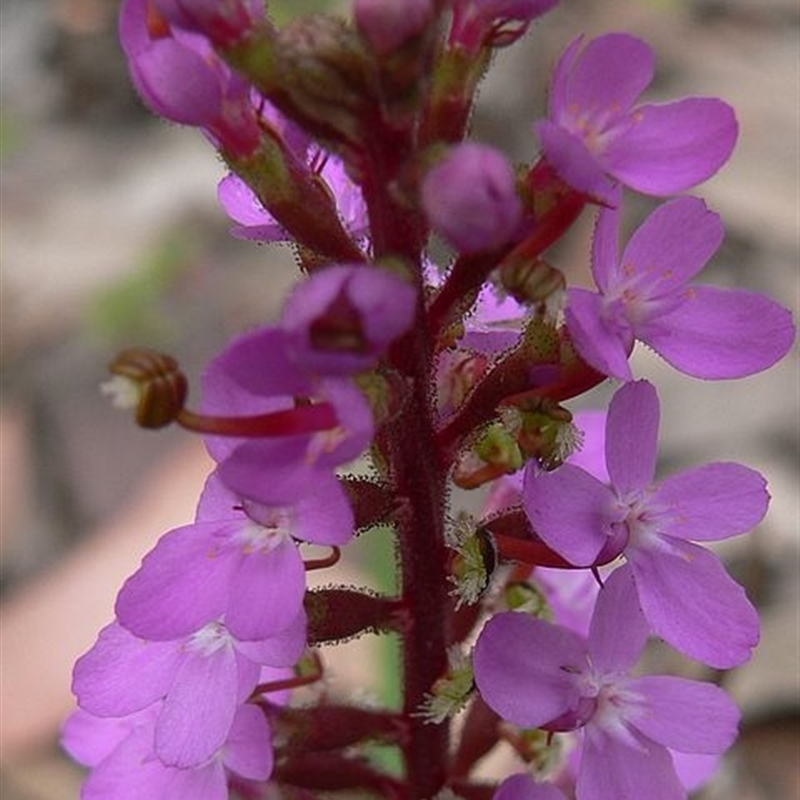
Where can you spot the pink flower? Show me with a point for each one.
(686, 595)
(243, 566)
(538, 675)
(645, 294)
(257, 374)
(120, 753)
(202, 680)
(344, 317)
(595, 136)
(178, 75)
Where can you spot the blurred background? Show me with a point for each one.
(111, 236)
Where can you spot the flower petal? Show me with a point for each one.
(605, 252)
(525, 668)
(610, 770)
(122, 674)
(324, 516)
(711, 502)
(573, 162)
(618, 630)
(693, 604)
(632, 437)
(671, 147)
(603, 343)
(690, 716)
(722, 333)
(199, 708)
(671, 246)
(266, 593)
(523, 787)
(607, 77)
(248, 751)
(592, 454)
(569, 511)
(181, 585)
(281, 650)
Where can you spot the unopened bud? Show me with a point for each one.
(327, 77)
(494, 453)
(224, 22)
(470, 198)
(543, 430)
(388, 24)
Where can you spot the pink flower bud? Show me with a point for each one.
(224, 22)
(493, 23)
(387, 24)
(470, 198)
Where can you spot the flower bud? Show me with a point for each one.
(224, 22)
(388, 24)
(543, 430)
(180, 77)
(493, 23)
(493, 453)
(327, 77)
(470, 198)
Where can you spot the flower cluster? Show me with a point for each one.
(350, 141)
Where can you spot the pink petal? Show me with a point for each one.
(522, 787)
(618, 629)
(673, 146)
(130, 772)
(607, 77)
(199, 709)
(257, 362)
(573, 161)
(712, 502)
(557, 96)
(722, 333)
(178, 83)
(690, 716)
(525, 668)
(208, 782)
(569, 510)
(632, 437)
(122, 674)
(324, 516)
(592, 455)
(671, 246)
(181, 585)
(267, 592)
(610, 770)
(693, 604)
(605, 256)
(281, 650)
(89, 739)
(248, 751)
(603, 343)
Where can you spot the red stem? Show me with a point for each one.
(301, 419)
